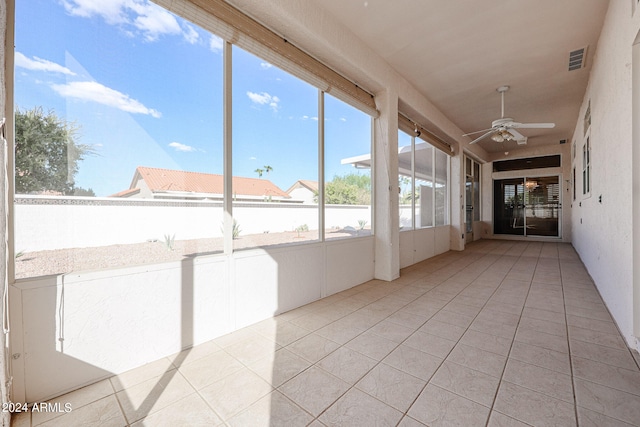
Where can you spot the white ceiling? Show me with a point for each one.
(456, 53)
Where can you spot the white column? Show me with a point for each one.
(385, 160)
(457, 201)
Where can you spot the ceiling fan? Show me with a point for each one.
(504, 129)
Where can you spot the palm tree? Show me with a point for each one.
(268, 169)
(259, 172)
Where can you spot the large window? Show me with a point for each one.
(275, 147)
(348, 187)
(118, 135)
(423, 176)
(119, 142)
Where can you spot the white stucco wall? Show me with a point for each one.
(63, 222)
(602, 230)
(111, 321)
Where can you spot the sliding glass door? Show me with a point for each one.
(527, 206)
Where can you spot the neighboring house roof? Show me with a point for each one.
(167, 180)
(304, 183)
(126, 193)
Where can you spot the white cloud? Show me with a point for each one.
(112, 11)
(154, 21)
(191, 35)
(95, 92)
(305, 117)
(150, 20)
(264, 98)
(265, 65)
(216, 44)
(39, 64)
(342, 119)
(182, 147)
(314, 118)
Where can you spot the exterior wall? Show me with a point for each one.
(45, 223)
(304, 194)
(603, 221)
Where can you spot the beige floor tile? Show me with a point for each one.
(392, 331)
(587, 418)
(608, 401)
(466, 382)
(272, 410)
(407, 421)
(493, 327)
(591, 314)
(479, 360)
(141, 374)
(235, 337)
(539, 356)
(251, 350)
(414, 362)
(194, 353)
(359, 320)
(487, 342)
(496, 419)
(504, 307)
(539, 379)
(357, 409)
(599, 353)
(235, 393)
(314, 390)
(592, 324)
(313, 347)
(409, 320)
(537, 313)
(280, 367)
(392, 386)
(607, 375)
(209, 369)
(311, 321)
(541, 339)
(187, 412)
(533, 408)
(77, 399)
(339, 331)
(453, 318)
(437, 407)
(281, 332)
(545, 326)
(153, 395)
(347, 364)
(372, 345)
(104, 413)
(596, 337)
(443, 330)
(466, 310)
(432, 344)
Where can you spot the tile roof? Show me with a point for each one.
(159, 180)
(126, 193)
(310, 185)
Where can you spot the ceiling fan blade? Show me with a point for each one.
(483, 136)
(478, 131)
(533, 125)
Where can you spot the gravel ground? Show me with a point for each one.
(60, 261)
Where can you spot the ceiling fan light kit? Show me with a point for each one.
(503, 129)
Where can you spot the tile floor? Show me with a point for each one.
(502, 334)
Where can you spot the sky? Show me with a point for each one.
(144, 88)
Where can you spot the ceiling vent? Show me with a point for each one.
(563, 141)
(577, 58)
